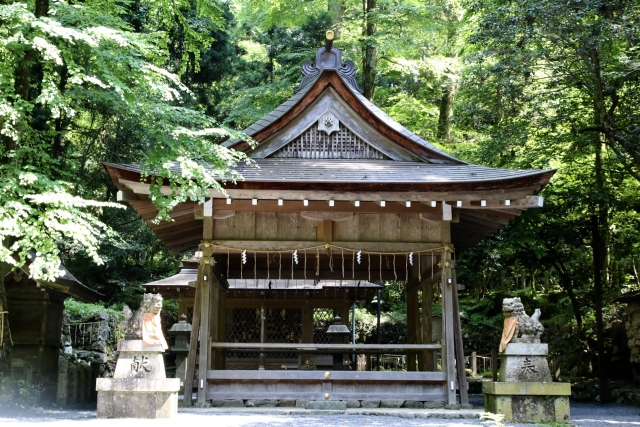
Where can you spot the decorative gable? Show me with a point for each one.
(328, 138)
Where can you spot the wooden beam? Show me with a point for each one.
(314, 207)
(523, 203)
(191, 227)
(322, 216)
(478, 221)
(266, 245)
(316, 346)
(485, 230)
(325, 273)
(484, 215)
(164, 225)
(126, 196)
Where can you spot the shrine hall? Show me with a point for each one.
(340, 199)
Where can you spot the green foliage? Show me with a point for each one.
(79, 73)
(79, 311)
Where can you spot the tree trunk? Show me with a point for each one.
(335, 9)
(599, 223)
(22, 75)
(599, 246)
(446, 112)
(370, 54)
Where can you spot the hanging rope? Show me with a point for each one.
(432, 265)
(331, 245)
(268, 265)
(329, 248)
(406, 268)
(395, 275)
(330, 254)
(353, 266)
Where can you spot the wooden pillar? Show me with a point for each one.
(448, 349)
(457, 329)
(412, 328)
(193, 342)
(344, 318)
(427, 325)
(208, 284)
(307, 328)
(474, 363)
(220, 358)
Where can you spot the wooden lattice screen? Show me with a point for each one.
(316, 144)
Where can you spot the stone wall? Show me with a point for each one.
(633, 330)
(87, 352)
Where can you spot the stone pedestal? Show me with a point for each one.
(525, 392)
(137, 398)
(139, 388)
(522, 362)
(533, 402)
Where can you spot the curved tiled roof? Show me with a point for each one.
(281, 110)
(370, 171)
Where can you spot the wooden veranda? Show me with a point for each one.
(341, 193)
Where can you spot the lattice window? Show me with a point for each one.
(243, 325)
(189, 315)
(322, 319)
(316, 144)
(280, 326)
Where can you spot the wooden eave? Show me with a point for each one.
(127, 176)
(66, 284)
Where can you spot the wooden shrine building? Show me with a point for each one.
(342, 193)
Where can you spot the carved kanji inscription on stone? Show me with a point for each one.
(528, 366)
(140, 364)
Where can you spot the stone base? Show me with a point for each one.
(137, 398)
(528, 402)
(525, 362)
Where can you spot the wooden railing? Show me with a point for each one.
(324, 348)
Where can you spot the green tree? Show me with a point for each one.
(70, 73)
(552, 76)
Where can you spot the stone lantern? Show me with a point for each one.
(338, 332)
(181, 331)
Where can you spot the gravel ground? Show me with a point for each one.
(582, 415)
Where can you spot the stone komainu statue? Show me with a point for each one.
(145, 323)
(518, 325)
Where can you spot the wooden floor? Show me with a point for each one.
(313, 385)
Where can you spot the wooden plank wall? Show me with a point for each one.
(276, 226)
(265, 226)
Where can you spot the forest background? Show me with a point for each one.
(511, 84)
